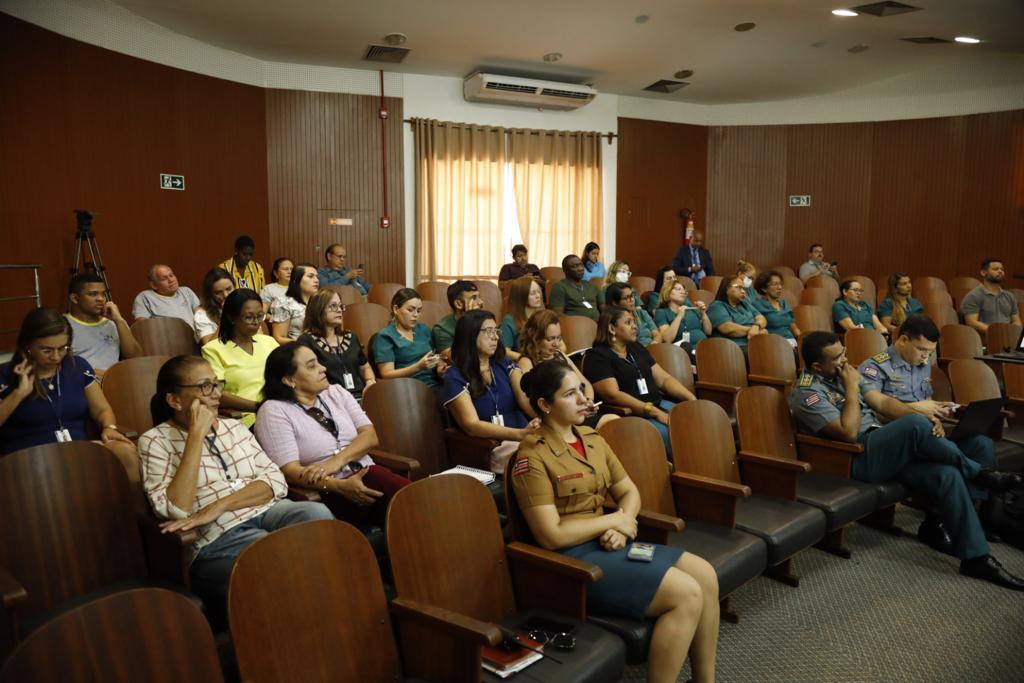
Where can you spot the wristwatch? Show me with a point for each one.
(648, 408)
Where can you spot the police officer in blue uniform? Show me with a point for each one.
(829, 401)
(904, 373)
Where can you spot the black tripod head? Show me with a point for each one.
(83, 223)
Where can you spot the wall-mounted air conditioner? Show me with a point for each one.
(525, 92)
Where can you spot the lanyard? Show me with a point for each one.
(56, 408)
(330, 416)
(629, 357)
(211, 441)
(493, 391)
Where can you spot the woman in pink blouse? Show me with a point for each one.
(320, 437)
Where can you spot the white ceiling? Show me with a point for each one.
(602, 43)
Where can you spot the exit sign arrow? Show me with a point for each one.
(169, 181)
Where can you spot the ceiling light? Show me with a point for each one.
(745, 26)
(684, 74)
(552, 56)
(820, 43)
(844, 13)
(967, 39)
(641, 19)
(394, 39)
(858, 48)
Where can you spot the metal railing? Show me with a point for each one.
(34, 267)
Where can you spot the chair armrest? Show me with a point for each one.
(552, 561)
(471, 451)
(771, 476)
(827, 456)
(782, 464)
(168, 555)
(548, 580)
(399, 464)
(770, 381)
(303, 494)
(441, 619)
(439, 645)
(706, 499)
(13, 592)
(710, 484)
(715, 386)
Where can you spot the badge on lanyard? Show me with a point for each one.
(498, 419)
(348, 381)
(686, 337)
(63, 435)
(587, 304)
(237, 484)
(641, 385)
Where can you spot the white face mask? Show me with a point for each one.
(622, 276)
(747, 282)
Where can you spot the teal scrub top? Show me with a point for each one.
(691, 322)
(391, 347)
(720, 312)
(779, 321)
(860, 316)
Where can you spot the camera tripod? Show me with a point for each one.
(84, 235)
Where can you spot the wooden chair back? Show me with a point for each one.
(688, 284)
(165, 337)
(407, 417)
(770, 355)
(349, 295)
(337, 583)
(934, 296)
(433, 312)
(793, 284)
(598, 282)
(642, 283)
(577, 332)
(434, 290)
(673, 360)
(1000, 337)
(69, 522)
(826, 282)
(721, 361)
(366, 320)
(711, 283)
(383, 292)
(812, 318)
(702, 441)
(960, 286)
(792, 299)
(820, 297)
(972, 380)
(552, 274)
(959, 341)
(1013, 378)
(941, 388)
(941, 314)
(927, 283)
(870, 294)
(129, 385)
(446, 548)
(491, 296)
(862, 343)
(702, 295)
(641, 451)
(764, 423)
(145, 634)
(784, 271)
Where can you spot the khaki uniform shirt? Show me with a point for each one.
(548, 471)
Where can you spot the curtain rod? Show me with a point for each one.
(608, 136)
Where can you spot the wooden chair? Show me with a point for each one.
(491, 296)
(960, 286)
(941, 314)
(352, 639)
(736, 556)
(792, 300)
(675, 361)
(434, 290)
(165, 337)
(927, 283)
(766, 428)
(702, 295)
(973, 380)
(145, 634)
(598, 282)
(454, 557)
(72, 532)
(721, 371)
(706, 453)
(433, 312)
(688, 284)
(1000, 337)
(383, 292)
(366, 320)
(642, 283)
(129, 385)
(813, 318)
(711, 283)
(552, 274)
(934, 296)
(826, 282)
(349, 295)
(941, 388)
(793, 284)
(772, 362)
(820, 297)
(870, 294)
(784, 271)
(958, 341)
(577, 332)
(862, 343)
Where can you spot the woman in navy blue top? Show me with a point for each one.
(481, 388)
(47, 395)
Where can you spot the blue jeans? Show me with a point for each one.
(667, 406)
(211, 569)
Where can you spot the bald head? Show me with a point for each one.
(163, 280)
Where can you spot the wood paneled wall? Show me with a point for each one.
(82, 127)
(662, 168)
(324, 162)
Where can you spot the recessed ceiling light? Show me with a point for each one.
(967, 39)
(642, 19)
(844, 13)
(394, 39)
(858, 48)
(684, 74)
(552, 56)
(745, 26)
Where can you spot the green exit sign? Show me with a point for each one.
(169, 181)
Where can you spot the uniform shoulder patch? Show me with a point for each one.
(522, 466)
(805, 380)
(881, 357)
(870, 371)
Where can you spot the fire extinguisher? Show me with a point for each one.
(687, 217)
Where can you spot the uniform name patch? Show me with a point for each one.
(812, 399)
(870, 371)
(521, 467)
(567, 477)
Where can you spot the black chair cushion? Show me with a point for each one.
(842, 500)
(635, 633)
(1010, 455)
(737, 556)
(890, 493)
(599, 656)
(786, 526)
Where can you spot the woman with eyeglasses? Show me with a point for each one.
(525, 297)
(405, 348)
(48, 395)
(288, 313)
(732, 316)
(481, 388)
(210, 474)
(336, 348)
(773, 306)
(320, 437)
(562, 476)
(680, 320)
(849, 312)
(281, 271)
(899, 305)
(622, 294)
(239, 355)
(217, 284)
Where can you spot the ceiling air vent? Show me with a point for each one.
(926, 40)
(571, 94)
(885, 9)
(385, 53)
(666, 86)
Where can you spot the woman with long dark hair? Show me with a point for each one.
(525, 297)
(592, 266)
(899, 305)
(289, 312)
(405, 348)
(665, 274)
(281, 271)
(216, 286)
(336, 348)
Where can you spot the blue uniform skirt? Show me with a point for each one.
(627, 587)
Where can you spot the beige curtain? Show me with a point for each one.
(557, 179)
(459, 173)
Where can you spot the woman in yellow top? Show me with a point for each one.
(561, 477)
(239, 355)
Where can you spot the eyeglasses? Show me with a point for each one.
(252, 319)
(324, 421)
(489, 331)
(559, 641)
(855, 291)
(205, 388)
(337, 308)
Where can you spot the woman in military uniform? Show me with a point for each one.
(561, 477)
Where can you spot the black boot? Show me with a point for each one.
(987, 568)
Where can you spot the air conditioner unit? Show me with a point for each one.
(525, 92)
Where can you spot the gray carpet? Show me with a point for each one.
(896, 611)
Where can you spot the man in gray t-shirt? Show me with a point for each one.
(100, 334)
(165, 298)
(817, 265)
(988, 302)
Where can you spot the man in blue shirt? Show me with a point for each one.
(336, 273)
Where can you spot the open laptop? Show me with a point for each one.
(977, 418)
(1017, 354)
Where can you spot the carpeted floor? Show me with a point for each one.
(896, 611)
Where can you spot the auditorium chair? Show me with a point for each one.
(766, 428)
(641, 284)
(941, 389)
(326, 570)
(675, 361)
(934, 296)
(973, 380)
(703, 448)
(491, 297)
(863, 343)
(552, 274)
(820, 297)
(701, 295)
(958, 341)
(941, 314)
(1002, 337)
(721, 371)
(826, 282)
(736, 556)
(144, 634)
(598, 282)
(366, 320)
(772, 362)
(784, 271)
(960, 286)
(792, 300)
(434, 290)
(813, 318)
(870, 294)
(578, 332)
(73, 531)
(165, 337)
(688, 284)
(447, 551)
(927, 283)
(382, 293)
(711, 283)
(881, 289)
(433, 312)
(129, 385)
(348, 294)
(793, 285)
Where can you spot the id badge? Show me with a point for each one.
(498, 419)
(587, 304)
(686, 337)
(348, 381)
(641, 385)
(63, 435)
(237, 484)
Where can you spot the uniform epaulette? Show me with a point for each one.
(806, 380)
(881, 357)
